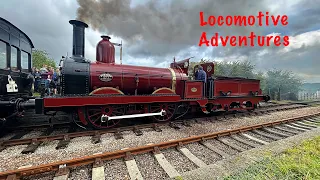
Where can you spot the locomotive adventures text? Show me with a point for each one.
(260, 20)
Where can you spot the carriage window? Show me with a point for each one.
(3, 55)
(24, 60)
(14, 58)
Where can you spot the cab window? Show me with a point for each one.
(3, 55)
(14, 58)
(24, 60)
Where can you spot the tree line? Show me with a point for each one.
(278, 84)
(41, 57)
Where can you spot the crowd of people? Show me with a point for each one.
(47, 80)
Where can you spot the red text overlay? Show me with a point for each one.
(249, 40)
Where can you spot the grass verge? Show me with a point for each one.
(301, 162)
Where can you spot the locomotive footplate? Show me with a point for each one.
(81, 101)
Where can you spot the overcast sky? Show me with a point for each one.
(153, 32)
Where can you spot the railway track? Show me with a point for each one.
(218, 145)
(48, 134)
(62, 120)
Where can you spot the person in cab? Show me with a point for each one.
(201, 75)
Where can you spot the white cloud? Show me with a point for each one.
(283, 6)
(307, 39)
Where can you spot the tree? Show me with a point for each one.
(40, 57)
(285, 81)
(235, 69)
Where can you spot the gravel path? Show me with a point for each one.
(203, 153)
(116, 170)
(44, 176)
(81, 173)
(149, 167)
(178, 160)
(11, 158)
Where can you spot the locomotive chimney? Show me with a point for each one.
(78, 37)
(105, 51)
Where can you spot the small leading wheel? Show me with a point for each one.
(94, 115)
(249, 104)
(170, 109)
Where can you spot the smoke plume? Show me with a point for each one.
(158, 28)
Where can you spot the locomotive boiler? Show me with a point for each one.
(131, 80)
(101, 93)
(106, 77)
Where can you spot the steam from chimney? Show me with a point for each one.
(163, 27)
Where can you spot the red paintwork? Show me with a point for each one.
(193, 90)
(225, 101)
(105, 51)
(124, 77)
(81, 116)
(238, 87)
(94, 100)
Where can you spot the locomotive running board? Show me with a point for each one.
(105, 118)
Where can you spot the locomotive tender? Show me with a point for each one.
(101, 93)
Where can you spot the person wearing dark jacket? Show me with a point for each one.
(196, 73)
(37, 77)
(201, 75)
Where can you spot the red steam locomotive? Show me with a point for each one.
(102, 93)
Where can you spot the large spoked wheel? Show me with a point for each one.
(94, 115)
(170, 109)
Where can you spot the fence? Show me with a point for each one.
(304, 95)
(300, 96)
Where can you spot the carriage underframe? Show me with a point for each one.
(106, 111)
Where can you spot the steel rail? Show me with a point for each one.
(127, 152)
(24, 141)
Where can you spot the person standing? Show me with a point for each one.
(54, 80)
(196, 73)
(202, 75)
(57, 80)
(44, 69)
(47, 85)
(37, 77)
